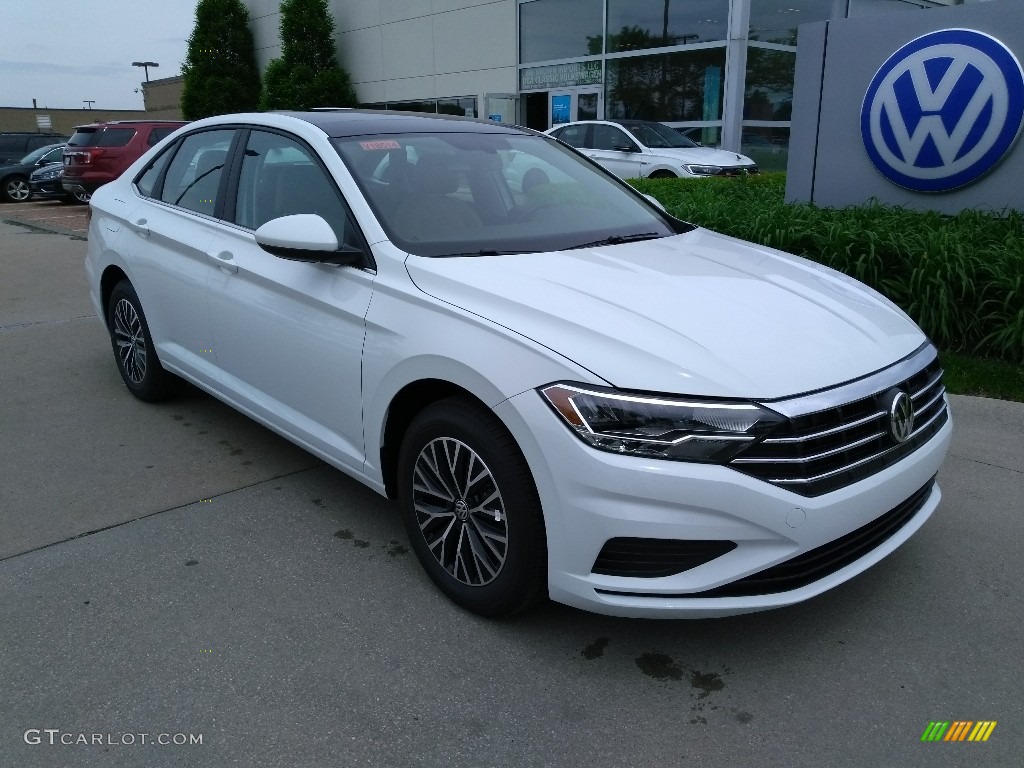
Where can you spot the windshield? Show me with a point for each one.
(484, 194)
(31, 157)
(659, 135)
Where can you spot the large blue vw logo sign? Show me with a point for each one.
(943, 110)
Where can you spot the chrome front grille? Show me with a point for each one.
(825, 446)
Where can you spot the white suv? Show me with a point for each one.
(569, 392)
(638, 149)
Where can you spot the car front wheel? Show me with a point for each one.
(16, 190)
(133, 347)
(471, 509)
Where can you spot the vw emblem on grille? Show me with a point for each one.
(943, 110)
(462, 510)
(901, 417)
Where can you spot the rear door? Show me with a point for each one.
(170, 235)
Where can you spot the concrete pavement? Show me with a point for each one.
(177, 569)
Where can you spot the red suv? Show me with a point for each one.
(100, 152)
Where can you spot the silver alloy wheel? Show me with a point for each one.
(18, 190)
(460, 511)
(82, 197)
(131, 341)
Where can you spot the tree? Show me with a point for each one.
(220, 73)
(307, 75)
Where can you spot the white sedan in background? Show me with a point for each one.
(640, 149)
(569, 392)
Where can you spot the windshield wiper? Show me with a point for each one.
(619, 240)
(485, 252)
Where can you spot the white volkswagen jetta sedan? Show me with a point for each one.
(568, 391)
(635, 149)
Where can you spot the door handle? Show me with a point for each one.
(141, 228)
(226, 259)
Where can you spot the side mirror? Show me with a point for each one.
(305, 237)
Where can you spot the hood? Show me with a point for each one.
(703, 156)
(693, 314)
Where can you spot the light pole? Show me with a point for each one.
(145, 65)
(89, 102)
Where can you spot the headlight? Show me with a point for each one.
(703, 170)
(659, 427)
(46, 175)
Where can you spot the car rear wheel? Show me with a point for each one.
(16, 190)
(81, 197)
(136, 357)
(471, 509)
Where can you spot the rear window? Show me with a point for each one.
(97, 137)
(115, 137)
(12, 144)
(83, 137)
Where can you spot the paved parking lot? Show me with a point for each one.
(54, 215)
(178, 570)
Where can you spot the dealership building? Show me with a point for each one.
(723, 70)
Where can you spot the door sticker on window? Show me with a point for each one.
(385, 144)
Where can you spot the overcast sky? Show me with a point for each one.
(61, 52)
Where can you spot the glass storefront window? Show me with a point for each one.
(464, 107)
(768, 147)
(559, 29)
(776, 21)
(666, 87)
(769, 85)
(873, 7)
(706, 135)
(639, 24)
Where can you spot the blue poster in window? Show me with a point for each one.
(712, 82)
(560, 109)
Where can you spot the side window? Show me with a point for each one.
(146, 182)
(193, 176)
(280, 178)
(54, 156)
(573, 135)
(608, 137)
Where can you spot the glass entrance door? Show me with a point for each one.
(575, 104)
(588, 104)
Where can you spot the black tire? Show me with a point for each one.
(15, 189)
(500, 501)
(82, 198)
(663, 175)
(136, 358)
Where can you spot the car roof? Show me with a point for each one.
(341, 123)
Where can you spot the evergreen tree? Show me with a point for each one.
(307, 75)
(220, 73)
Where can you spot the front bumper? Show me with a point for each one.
(591, 496)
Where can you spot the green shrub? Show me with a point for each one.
(960, 277)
